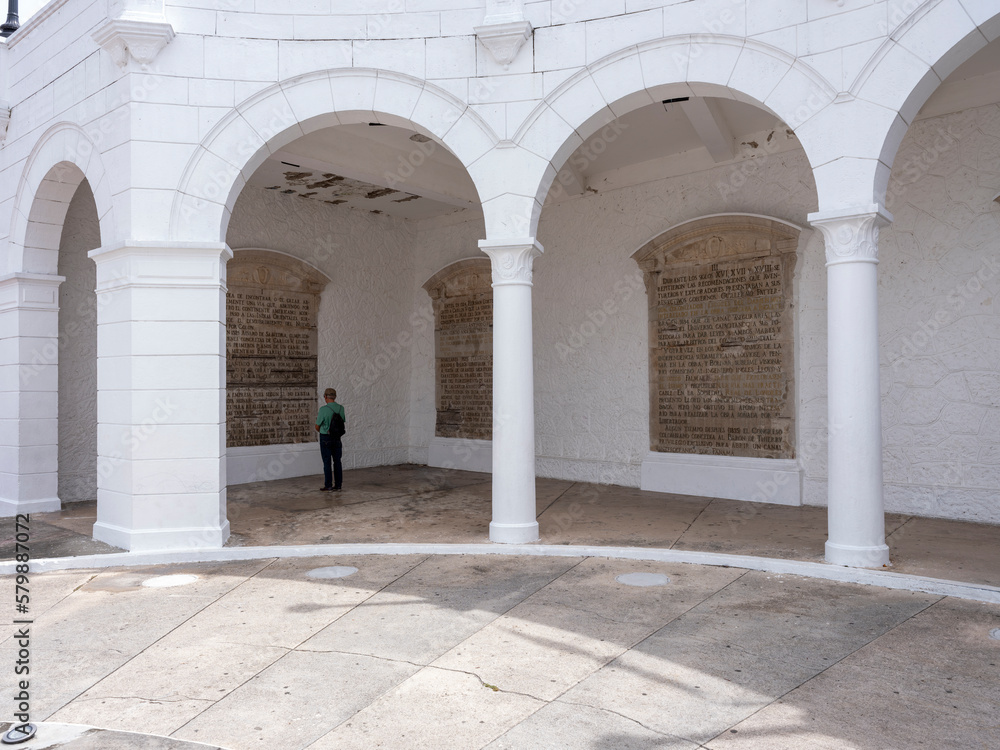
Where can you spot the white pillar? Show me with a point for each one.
(856, 535)
(29, 393)
(514, 519)
(161, 379)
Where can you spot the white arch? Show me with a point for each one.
(281, 113)
(911, 63)
(59, 162)
(688, 65)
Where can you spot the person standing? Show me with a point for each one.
(331, 424)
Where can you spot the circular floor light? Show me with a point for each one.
(166, 582)
(334, 571)
(643, 579)
(20, 733)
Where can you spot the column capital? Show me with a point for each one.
(511, 259)
(30, 291)
(851, 234)
(161, 264)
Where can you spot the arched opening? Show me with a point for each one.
(673, 154)
(374, 207)
(52, 451)
(939, 279)
(81, 233)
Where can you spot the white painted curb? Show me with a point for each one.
(823, 571)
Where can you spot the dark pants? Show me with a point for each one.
(331, 448)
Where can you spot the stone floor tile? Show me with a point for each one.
(938, 548)
(741, 649)
(783, 531)
(561, 726)
(579, 622)
(933, 681)
(281, 606)
(111, 618)
(131, 713)
(66, 533)
(296, 700)
(55, 586)
(437, 605)
(78, 737)
(617, 516)
(434, 709)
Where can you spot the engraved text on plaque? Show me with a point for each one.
(271, 310)
(720, 331)
(462, 295)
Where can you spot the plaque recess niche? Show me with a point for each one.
(272, 304)
(721, 338)
(462, 296)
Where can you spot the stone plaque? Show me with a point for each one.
(462, 295)
(721, 337)
(271, 310)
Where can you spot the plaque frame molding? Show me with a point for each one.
(475, 454)
(771, 480)
(296, 259)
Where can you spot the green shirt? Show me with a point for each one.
(325, 416)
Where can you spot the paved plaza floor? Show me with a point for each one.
(507, 651)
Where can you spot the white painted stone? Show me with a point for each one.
(464, 454)
(752, 479)
(332, 61)
(607, 36)
(266, 463)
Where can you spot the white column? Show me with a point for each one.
(856, 535)
(514, 519)
(161, 406)
(29, 393)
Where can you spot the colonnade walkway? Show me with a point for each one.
(419, 648)
(419, 504)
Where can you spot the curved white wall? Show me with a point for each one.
(940, 331)
(78, 350)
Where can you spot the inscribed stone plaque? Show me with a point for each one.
(462, 296)
(721, 337)
(271, 310)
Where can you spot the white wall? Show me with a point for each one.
(438, 243)
(78, 350)
(939, 283)
(366, 304)
(940, 332)
(591, 368)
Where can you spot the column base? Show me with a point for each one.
(857, 557)
(514, 533)
(10, 508)
(161, 540)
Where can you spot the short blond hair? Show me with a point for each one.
(330, 393)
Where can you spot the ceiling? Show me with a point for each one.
(397, 172)
(377, 168)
